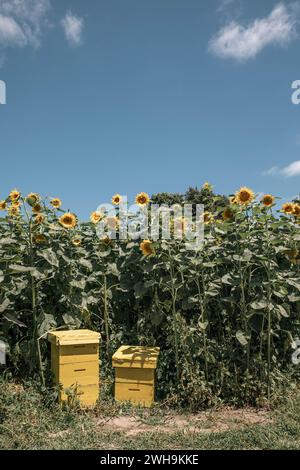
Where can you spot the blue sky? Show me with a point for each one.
(148, 95)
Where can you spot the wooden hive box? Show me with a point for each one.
(75, 363)
(135, 374)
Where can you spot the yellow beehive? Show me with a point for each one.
(135, 374)
(75, 363)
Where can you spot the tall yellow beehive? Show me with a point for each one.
(75, 363)
(135, 374)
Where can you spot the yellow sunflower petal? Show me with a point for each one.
(142, 199)
(116, 199)
(55, 202)
(296, 210)
(268, 200)
(207, 218)
(39, 218)
(96, 216)
(14, 195)
(68, 220)
(37, 208)
(244, 196)
(288, 208)
(227, 214)
(146, 248)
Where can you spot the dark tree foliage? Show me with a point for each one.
(212, 202)
(167, 198)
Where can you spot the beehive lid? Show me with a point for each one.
(69, 337)
(136, 356)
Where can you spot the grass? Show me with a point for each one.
(31, 419)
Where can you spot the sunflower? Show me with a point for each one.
(37, 208)
(68, 220)
(2, 205)
(294, 256)
(76, 241)
(55, 202)
(106, 240)
(96, 216)
(142, 199)
(14, 195)
(116, 199)
(296, 210)
(13, 211)
(207, 186)
(39, 238)
(146, 248)
(288, 208)
(112, 222)
(268, 200)
(227, 214)
(32, 199)
(292, 253)
(39, 218)
(244, 196)
(207, 218)
(16, 204)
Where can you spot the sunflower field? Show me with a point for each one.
(226, 317)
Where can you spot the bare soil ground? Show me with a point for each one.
(202, 422)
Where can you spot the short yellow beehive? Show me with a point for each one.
(135, 374)
(75, 363)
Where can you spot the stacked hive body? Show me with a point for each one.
(135, 374)
(75, 363)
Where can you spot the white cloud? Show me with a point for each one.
(223, 5)
(11, 33)
(230, 10)
(240, 42)
(274, 170)
(22, 22)
(290, 170)
(73, 27)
